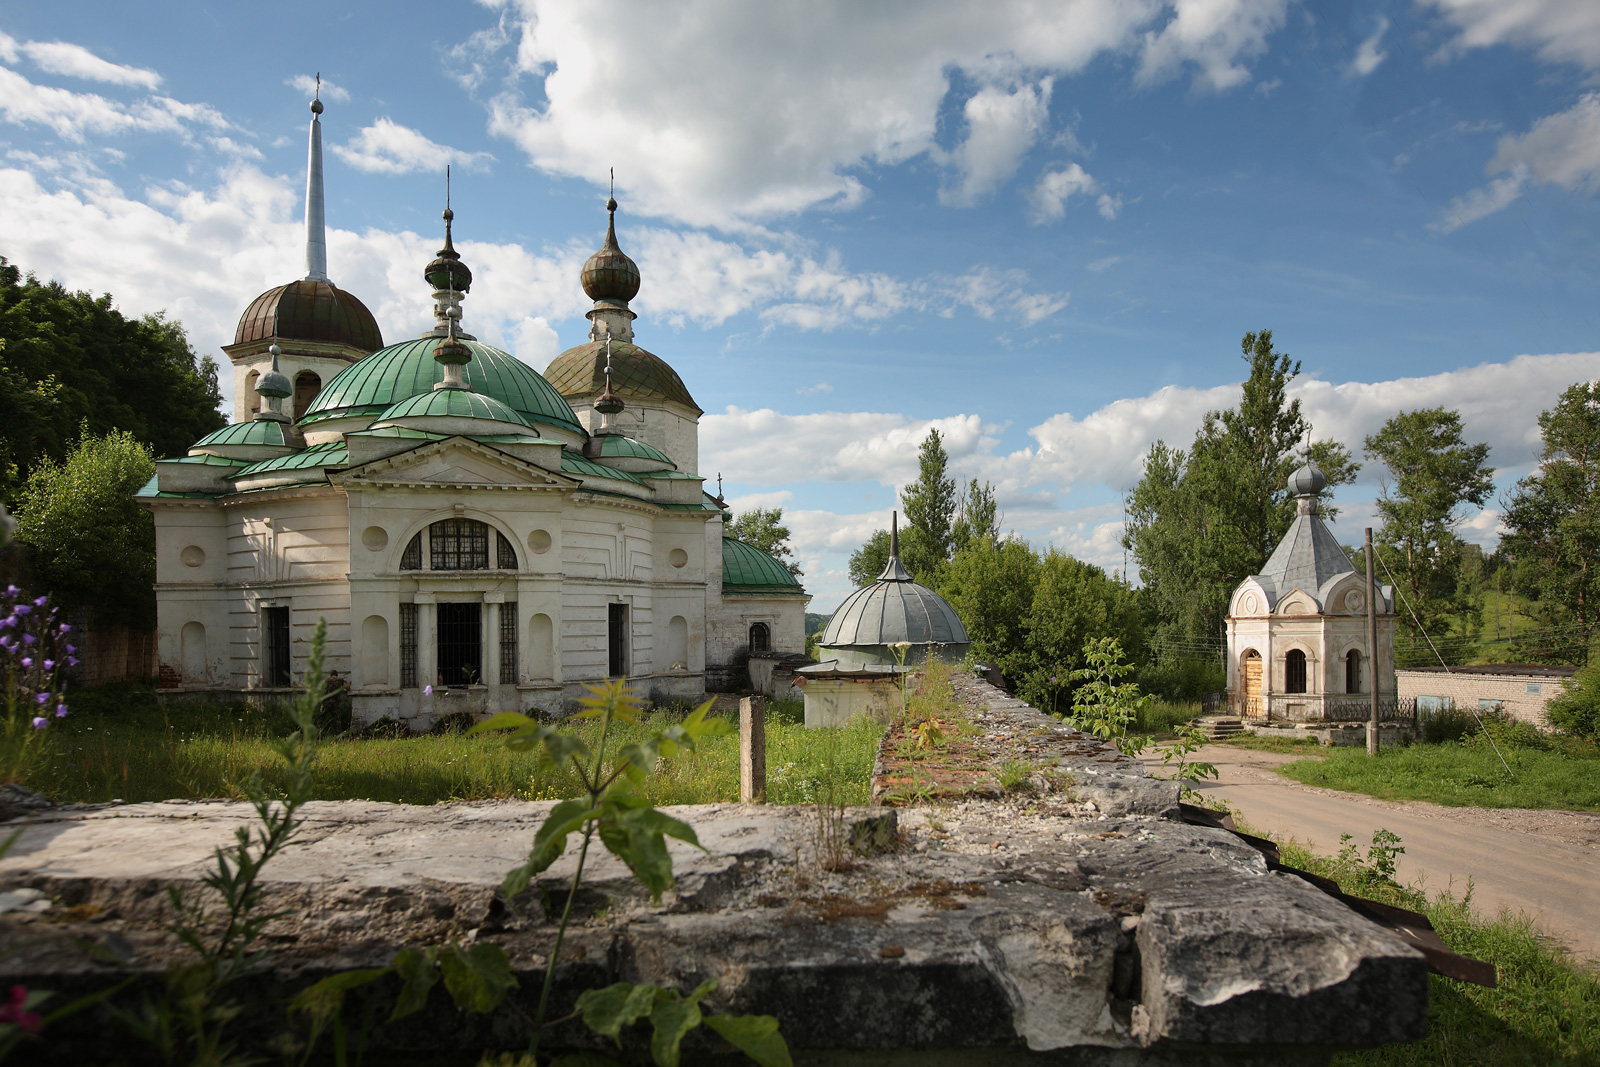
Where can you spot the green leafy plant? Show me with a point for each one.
(1175, 757)
(1103, 704)
(1014, 774)
(609, 810)
(1375, 872)
(222, 923)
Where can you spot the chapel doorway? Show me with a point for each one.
(1250, 682)
(460, 644)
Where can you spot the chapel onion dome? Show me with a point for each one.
(609, 274)
(308, 310)
(1307, 481)
(274, 384)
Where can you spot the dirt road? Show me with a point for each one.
(1545, 863)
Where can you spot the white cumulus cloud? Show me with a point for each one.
(1559, 31)
(386, 147)
(1369, 55)
(76, 61)
(791, 103)
(1561, 149)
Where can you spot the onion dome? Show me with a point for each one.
(407, 369)
(609, 274)
(746, 571)
(447, 271)
(1307, 481)
(635, 374)
(309, 310)
(274, 383)
(451, 350)
(627, 453)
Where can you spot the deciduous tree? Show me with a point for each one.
(88, 542)
(1432, 474)
(763, 528)
(977, 517)
(1554, 518)
(1201, 520)
(868, 561)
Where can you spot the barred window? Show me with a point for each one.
(1294, 671)
(408, 646)
(508, 641)
(277, 667)
(411, 558)
(460, 644)
(505, 557)
(458, 545)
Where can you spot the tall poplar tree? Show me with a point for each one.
(930, 507)
(1553, 521)
(1201, 520)
(1431, 474)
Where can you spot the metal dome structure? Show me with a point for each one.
(307, 310)
(894, 610)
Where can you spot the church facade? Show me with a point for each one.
(478, 536)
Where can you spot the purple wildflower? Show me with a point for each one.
(12, 590)
(27, 661)
(42, 698)
(40, 722)
(65, 628)
(61, 711)
(49, 664)
(28, 639)
(72, 661)
(427, 690)
(23, 609)
(41, 602)
(71, 649)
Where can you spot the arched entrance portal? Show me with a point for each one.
(1250, 683)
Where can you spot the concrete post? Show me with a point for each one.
(752, 751)
(1372, 649)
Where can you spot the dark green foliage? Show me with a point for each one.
(1553, 523)
(1179, 677)
(67, 359)
(1201, 520)
(1030, 614)
(977, 517)
(930, 506)
(868, 561)
(1431, 473)
(763, 528)
(89, 542)
(1576, 710)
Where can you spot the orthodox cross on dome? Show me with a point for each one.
(610, 279)
(316, 230)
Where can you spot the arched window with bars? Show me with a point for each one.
(458, 545)
(1294, 671)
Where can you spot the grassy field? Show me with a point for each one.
(1544, 1010)
(1562, 777)
(1163, 717)
(122, 745)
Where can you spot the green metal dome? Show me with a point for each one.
(450, 403)
(616, 446)
(266, 432)
(408, 369)
(747, 569)
(635, 373)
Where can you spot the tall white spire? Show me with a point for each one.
(316, 231)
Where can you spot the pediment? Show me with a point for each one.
(1346, 596)
(1298, 602)
(454, 461)
(1250, 599)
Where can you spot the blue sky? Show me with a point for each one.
(1041, 227)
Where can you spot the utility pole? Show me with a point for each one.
(1372, 646)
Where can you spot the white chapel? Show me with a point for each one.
(477, 535)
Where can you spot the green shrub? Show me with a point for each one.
(1576, 710)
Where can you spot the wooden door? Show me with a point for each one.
(1250, 682)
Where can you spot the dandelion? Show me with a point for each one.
(40, 722)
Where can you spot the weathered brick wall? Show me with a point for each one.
(1466, 690)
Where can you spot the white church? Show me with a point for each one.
(477, 535)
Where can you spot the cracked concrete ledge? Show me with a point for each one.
(1031, 929)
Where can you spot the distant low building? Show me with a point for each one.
(1520, 689)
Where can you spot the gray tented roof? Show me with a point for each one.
(889, 611)
(1307, 557)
